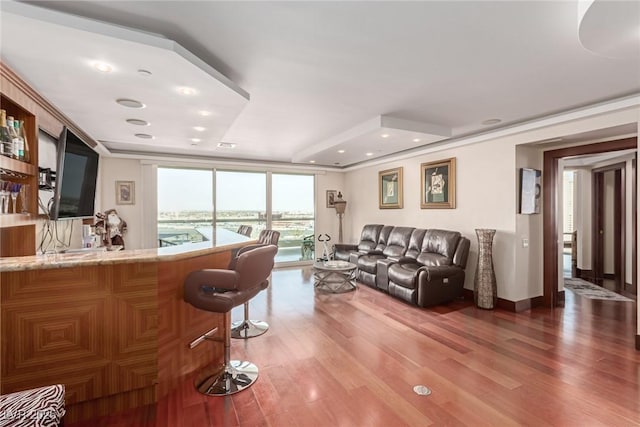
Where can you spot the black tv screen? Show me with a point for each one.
(76, 176)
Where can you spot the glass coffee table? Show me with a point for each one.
(334, 276)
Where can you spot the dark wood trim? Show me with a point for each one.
(512, 306)
(609, 276)
(637, 342)
(584, 274)
(634, 222)
(550, 219)
(597, 226)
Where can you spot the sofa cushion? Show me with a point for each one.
(415, 243)
(368, 263)
(404, 274)
(383, 237)
(369, 237)
(398, 242)
(438, 247)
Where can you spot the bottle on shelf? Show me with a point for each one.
(15, 139)
(19, 147)
(5, 136)
(26, 154)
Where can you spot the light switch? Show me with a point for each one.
(525, 243)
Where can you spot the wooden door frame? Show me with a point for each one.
(550, 297)
(619, 223)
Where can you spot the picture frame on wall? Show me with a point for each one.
(331, 198)
(438, 184)
(390, 189)
(530, 191)
(125, 192)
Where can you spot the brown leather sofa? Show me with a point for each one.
(421, 266)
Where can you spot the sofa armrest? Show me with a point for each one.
(346, 247)
(437, 273)
(406, 260)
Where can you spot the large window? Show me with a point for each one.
(279, 201)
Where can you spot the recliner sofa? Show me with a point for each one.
(421, 266)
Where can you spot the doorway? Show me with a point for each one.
(551, 295)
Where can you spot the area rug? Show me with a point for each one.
(591, 291)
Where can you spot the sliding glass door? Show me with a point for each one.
(293, 215)
(262, 200)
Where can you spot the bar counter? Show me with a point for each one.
(111, 326)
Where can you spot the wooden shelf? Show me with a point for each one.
(16, 166)
(16, 220)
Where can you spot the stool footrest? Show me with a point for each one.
(206, 336)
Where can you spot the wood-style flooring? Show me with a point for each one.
(353, 359)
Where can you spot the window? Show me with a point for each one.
(279, 201)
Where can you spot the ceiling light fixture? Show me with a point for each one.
(103, 67)
(186, 91)
(138, 122)
(369, 154)
(199, 128)
(491, 122)
(195, 140)
(416, 139)
(340, 151)
(145, 136)
(204, 113)
(312, 161)
(226, 145)
(385, 135)
(130, 103)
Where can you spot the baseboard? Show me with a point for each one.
(628, 287)
(609, 276)
(584, 274)
(637, 342)
(514, 306)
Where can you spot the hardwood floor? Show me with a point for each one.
(353, 359)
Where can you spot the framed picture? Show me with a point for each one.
(438, 184)
(390, 188)
(331, 198)
(530, 191)
(125, 192)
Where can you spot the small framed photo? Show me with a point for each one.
(331, 198)
(438, 184)
(530, 191)
(125, 192)
(390, 189)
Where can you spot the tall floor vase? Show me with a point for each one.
(485, 292)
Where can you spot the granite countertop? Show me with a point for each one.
(74, 259)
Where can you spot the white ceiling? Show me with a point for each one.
(317, 73)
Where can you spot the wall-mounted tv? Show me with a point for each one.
(76, 176)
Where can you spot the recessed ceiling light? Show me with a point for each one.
(204, 113)
(312, 161)
(385, 135)
(226, 145)
(186, 91)
(491, 121)
(416, 139)
(144, 73)
(199, 128)
(369, 154)
(144, 136)
(195, 140)
(103, 67)
(138, 122)
(131, 103)
(340, 151)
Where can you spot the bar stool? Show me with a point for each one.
(218, 291)
(248, 328)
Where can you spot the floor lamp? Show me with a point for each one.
(340, 206)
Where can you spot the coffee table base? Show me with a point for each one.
(335, 281)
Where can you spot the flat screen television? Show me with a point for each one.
(76, 176)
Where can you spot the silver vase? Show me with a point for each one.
(485, 292)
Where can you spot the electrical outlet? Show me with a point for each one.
(525, 243)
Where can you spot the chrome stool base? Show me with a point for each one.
(248, 328)
(226, 380)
